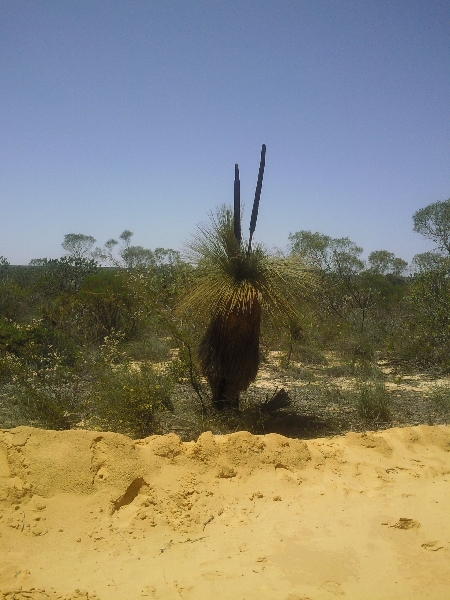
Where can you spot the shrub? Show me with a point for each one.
(422, 336)
(32, 342)
(372, 400)
(14, 301)
(65, 274)
(127, 397)
(105, 304)
(47, 394)
(440, 395)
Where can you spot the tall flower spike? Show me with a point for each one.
(257, 197)
(237, 205)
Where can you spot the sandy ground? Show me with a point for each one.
(89, 515)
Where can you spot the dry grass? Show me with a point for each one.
(324, 401)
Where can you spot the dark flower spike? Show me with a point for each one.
(257, 197)
(237, 205)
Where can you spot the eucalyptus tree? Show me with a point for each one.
(78, 245)
(383, 262)
(428, 261)
(433, 222)
(4, 268)
(356, 298)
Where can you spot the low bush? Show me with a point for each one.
(440, 395)
(48, 394)
(372, 400)
(127, 398)
(421, 337)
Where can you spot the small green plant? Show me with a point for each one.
(398, 379)
(308, 355)
(367, 370)
(298, 372)
(45, 394)
(127, 395)
(341, 370)
(372, 400)
(440, 395)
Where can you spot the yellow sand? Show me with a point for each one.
(88, 515)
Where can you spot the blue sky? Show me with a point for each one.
(131, 115)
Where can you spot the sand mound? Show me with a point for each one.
(98, 516)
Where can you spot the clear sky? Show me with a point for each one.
(130, 114)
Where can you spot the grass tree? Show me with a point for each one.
(235, 283)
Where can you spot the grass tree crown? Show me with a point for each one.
(233, 286)
(228, 275)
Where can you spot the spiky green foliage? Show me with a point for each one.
(232, 287)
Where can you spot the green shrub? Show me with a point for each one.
(30, 341)
(422, 335)
(14, 301)
(105, 304)
(47, 394)
(64, 275)
(372, 400)
(297, 372)
(127, 398)
(440, 395)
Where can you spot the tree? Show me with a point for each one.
(108, 249)
(78, 245)
(4, 268)
(137, 257)
(38, 262)
(338, 264)
(386, 263)
(233, 286)
(132, 256)
(424, 336)
(353, 301)
(433, 222)
(327, 254)
(166, 257)
(427, 261)
(125, 236)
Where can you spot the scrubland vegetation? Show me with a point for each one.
(128, 339)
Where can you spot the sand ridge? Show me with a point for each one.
(90, 515)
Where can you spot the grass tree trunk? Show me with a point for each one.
(229, 350)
